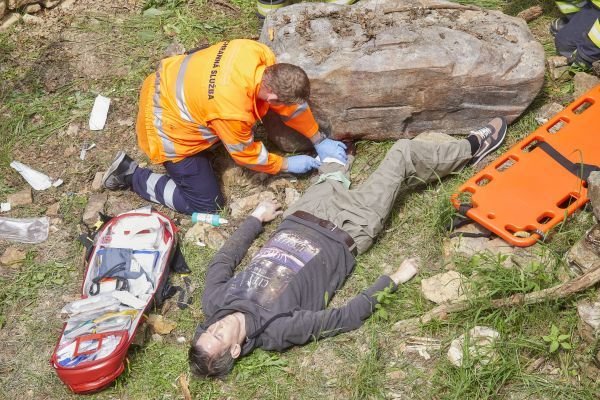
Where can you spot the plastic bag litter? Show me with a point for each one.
(26, 230)
(37, 179)
(99, 113)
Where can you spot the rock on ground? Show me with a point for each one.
(10, 21)
(594, 192)
(444, 287)
(97, 182)
(21, 198)
(546, 112)
(241, 207)
(94, 206)
(383, 70)
(480, 347)
(211, 236)
(13, 256)
(582, 256)
(291, 196)
(583, 82)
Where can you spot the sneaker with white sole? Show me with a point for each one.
(118, 175)
(490, 137)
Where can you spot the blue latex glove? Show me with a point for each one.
(301, 164)
(332, 148)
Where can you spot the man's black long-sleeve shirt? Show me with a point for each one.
(284, 291)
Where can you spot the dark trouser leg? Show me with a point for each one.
(190, 186)
(362, 212)
(574, 36)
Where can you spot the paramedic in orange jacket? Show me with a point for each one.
(215, 94)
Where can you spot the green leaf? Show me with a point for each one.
(562, 338)
(566, 346)
(554, 346)
(554, 331)
(547, 339)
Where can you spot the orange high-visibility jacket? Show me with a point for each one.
(195, 100)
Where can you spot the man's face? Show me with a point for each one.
(221, 336)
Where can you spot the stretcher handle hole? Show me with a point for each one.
(506, 163)
(567, 201)
(484, 180)
(531, 145)
(557, 126)
(466, 197)
(583, 106)
(545, 218)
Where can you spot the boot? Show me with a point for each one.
(120, 172)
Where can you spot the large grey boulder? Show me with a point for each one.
(392, 69)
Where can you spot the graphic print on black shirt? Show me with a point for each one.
(272, 269)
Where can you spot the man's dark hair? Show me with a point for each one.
(204, 365)
(289, 82)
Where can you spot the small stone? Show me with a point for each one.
(50, 3)
(560, 74)
(32, 20)
(594, 192)
(157, 338)
(557, 61)
(596, 68)
(181, 340)
(215, 238)
(13, 256)
(241, 206)
(12, 4)
(531, 13)
(160, 325)
(174, 49)
(32, 9)
(10, 21)
(97, 182)
(70, 151)
(583, 82)
(481, 341)
(546, 112)
(94, 206)
(3, 9)
(72, 130)
(196, 233)
(280, 184)
(291, 196)
(444, 287)
(21, 198)
(585, 253)
(125, 122)
(435, 137)
(67, 4)
(468, 247)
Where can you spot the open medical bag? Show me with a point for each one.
(127, 268)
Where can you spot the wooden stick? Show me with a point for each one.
(432, 7)
(585, 281)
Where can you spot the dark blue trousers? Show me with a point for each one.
(189, 186)
(574, 35)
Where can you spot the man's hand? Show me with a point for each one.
(332, 148)
(300, 164)
(407, 270)
(267, 211)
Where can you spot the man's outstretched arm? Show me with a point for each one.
(222, 266)
(304, 326)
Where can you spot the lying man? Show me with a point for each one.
(280, 299)
(213, 95)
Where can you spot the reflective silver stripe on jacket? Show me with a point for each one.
(180, 93)
(239, 147)
(301, 108)
(168, 145)
(263, 157)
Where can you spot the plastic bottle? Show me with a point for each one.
(213, 219)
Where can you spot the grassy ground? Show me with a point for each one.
(46, 92)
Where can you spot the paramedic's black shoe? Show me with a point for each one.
(557, 25)
(119, 173)
(490, 137)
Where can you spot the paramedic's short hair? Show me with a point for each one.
(206, 365)
(289, 82)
